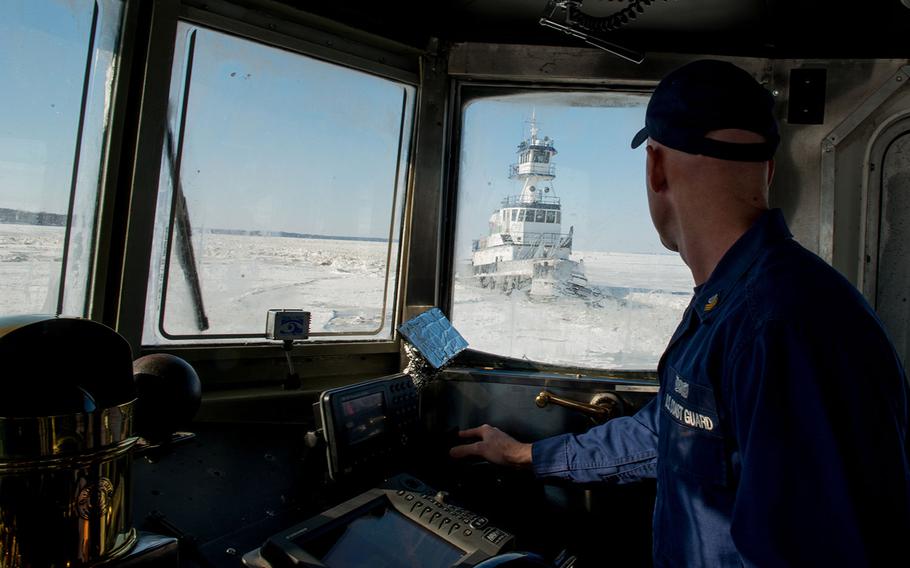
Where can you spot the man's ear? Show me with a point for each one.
(656, 173)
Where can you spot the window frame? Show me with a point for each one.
(402, 157)
(91, 288)
(290, 32)
(465, 91)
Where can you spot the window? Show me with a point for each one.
(282, 187)
(59, 62)
(513, 214)
(603, 293)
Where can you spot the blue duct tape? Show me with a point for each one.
(434, 336)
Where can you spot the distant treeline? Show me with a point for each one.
(293, 235)
(19, 217)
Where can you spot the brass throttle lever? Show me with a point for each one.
(605, 408)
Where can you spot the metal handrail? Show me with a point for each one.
(516, 201)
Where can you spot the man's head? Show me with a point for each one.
(706, 96)
(712, 137)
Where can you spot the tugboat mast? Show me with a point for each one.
(534, 167)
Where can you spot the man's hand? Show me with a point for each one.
(494, 446)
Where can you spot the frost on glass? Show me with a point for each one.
(281, 187)
(556, 258)
(58, 61)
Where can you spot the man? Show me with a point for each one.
(779, 435)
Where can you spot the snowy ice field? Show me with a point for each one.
(341, 282)
(640, 299)
(30, 258)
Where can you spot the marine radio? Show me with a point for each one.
(368, 424)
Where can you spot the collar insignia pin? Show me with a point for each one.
(712, 303)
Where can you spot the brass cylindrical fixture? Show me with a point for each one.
(65, 490)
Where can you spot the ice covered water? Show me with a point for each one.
(30, 260)
(638, 301)
(639, 297)
(341, 282)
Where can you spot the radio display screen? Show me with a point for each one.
(363, 417)
(385, 538)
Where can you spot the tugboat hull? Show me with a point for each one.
(542, 277)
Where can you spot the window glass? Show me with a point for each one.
(594, 287)
(282, 187)
(58, 62)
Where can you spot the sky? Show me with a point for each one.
(42, 55)
(276, 141)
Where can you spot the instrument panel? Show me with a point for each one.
(368, 424)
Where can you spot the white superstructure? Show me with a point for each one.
(526, 244)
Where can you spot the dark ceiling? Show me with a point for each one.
(763, 28)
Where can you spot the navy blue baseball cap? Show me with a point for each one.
(709, 95)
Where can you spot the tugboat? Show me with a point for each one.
(526, 247)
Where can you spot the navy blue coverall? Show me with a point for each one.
(779, 435)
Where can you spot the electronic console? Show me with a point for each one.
(401, 524)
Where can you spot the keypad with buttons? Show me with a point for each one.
(464, 529)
